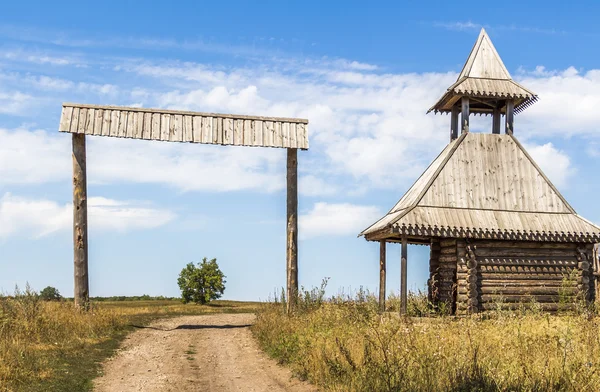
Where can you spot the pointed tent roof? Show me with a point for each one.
(484, 186)
(485, 76)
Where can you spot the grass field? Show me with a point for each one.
(346, 345)
(50, 346)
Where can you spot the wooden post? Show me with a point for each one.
(292, 228)
(496, 121)
(403, 288)
(464, 116)
(510, 116)
(454, 123)
(382, 276)
(80, 233)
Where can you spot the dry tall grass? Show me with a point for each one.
(346, 345)
(51, 346)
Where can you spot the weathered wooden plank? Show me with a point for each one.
(219, 129)
(176, 128)
(258, 133)
(106, 118)
(248, 132)
(138, 125)
(215, 130)
(277, 142)
(80, 231)
(130, 129)
(98, 121)
(65, 119)
(115, 116)
(122, 131)
(207, 130)
(197, 129)
(292, 135)
(156, 131)
(147, 129)
(188, 135)
(238, 132)
(76, 119)
(285, 135)
(302, 140)
(227, 131)
(165, 120)
(89, 122)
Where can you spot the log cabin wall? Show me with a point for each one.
(443, 276)
(508, 273)
(434, 264)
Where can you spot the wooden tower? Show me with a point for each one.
(500, 232)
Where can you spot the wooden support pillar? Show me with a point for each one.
(454, 123)
(382, 276)
(496, 121)
(292, 229)
(510, 116)
(464, 116)
(403, 288)
(80, 232)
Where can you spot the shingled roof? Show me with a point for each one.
(485, 76)
(484, 186)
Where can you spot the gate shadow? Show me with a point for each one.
(193, 326)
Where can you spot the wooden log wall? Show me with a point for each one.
(434, 264)
(508, 273)
(446, 273)
(595, 272)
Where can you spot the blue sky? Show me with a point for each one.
(363, 76)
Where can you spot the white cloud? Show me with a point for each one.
(367, 127)
(186, 167)
(15, 102)
(33, 157)
(568, 103)
(337, 219)
(553, 162)
(37, 217)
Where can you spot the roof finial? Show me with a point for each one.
(485, 78)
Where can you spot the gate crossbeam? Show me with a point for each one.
(179, 126)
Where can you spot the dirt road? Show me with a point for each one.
(212, 353)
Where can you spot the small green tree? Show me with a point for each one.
(50, 294)
(202, 283)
